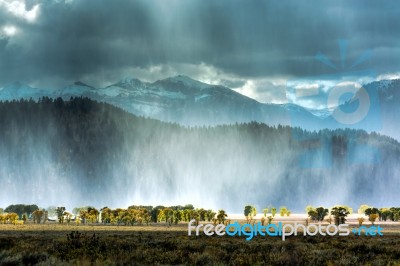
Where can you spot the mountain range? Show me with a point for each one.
(190, 102)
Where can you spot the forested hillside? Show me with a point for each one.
(83, 152)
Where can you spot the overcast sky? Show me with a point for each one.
(251, 46)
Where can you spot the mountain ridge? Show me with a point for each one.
(183, 100)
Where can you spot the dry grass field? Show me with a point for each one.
(159, 244)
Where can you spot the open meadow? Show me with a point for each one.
(160, 244)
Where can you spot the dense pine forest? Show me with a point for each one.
(85, 152)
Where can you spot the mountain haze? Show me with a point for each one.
(189, 102)
(81, 152)
(178, 99)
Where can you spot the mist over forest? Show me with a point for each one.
(81, 152)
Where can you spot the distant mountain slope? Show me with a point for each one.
(17, 90)
(186, 101)
(82, 152)
(189, 102)
(179, 99)
(384, 110)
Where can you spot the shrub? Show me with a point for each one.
(372, 217)
(385, 214)
(249, 211)
(340, 214)
(318, 214)
(273, 211)
(370, 211)
(396, 216)
(362, 208)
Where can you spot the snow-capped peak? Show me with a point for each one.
(80, 83)
(129, 82)
(18, 90)
(185, 80)
(78, 88)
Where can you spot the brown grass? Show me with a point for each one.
(53, 244)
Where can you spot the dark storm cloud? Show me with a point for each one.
(70, 40)
(29, 4)
(248, 39)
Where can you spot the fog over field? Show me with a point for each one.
(84, 153)
(237, 98)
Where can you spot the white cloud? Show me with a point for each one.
(305, 86)
(265, 90)
(305, 89)
(389, 76)
(248, 89)
(9, 30)
(18, 9)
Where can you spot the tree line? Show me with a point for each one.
(144, 215)
(340, 212)
(133, 215)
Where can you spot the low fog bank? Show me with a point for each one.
(79, 153)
